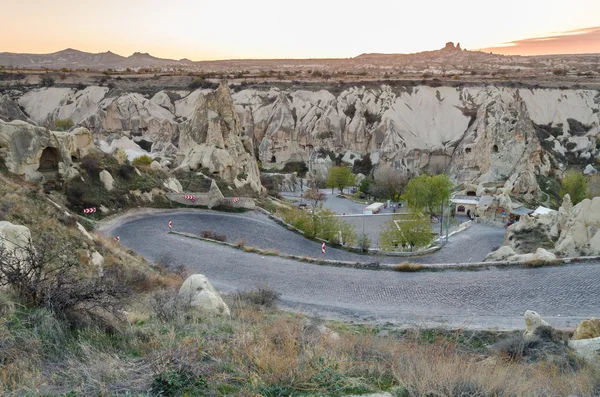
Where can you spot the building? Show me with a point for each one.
(464, 205)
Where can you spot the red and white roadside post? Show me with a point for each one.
(323, 248)
(170, 225)
(117, 239)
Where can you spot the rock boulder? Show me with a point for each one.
(14, 239)
(198, 292)
(532, 322)
(107, 180)
(587, 329)
(588, 349)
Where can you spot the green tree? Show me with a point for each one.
(63, 124)
(427, 193)
(575, 185)
(409, 230)
(340, 177)
(365, 186)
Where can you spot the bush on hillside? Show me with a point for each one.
(90, 164)
(142, 161)
(125, 171)
(63, 124)
(48, 274)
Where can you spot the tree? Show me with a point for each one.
(363, 166)
(340, 177)
(390, 182)
(575, 185)
(47, 81)
(412, 230)
(365, 186)
(427, 193)
(314, 197)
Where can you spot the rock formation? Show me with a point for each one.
(532, 322)
(198, 292)
(573, 230)
(580, 234)
(587, 329)
(213, 139)
(480, 135)
(10, 111)
(31, 151)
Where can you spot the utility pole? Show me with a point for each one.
(448, 223)
(362, 246)
(441, 221)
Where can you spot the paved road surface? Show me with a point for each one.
(482, 299)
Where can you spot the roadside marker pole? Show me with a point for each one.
(323, 248)
(170, 225)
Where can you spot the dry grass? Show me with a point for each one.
(541, 263)
(261, 351)
(240, 244)
(270, 252)
(408, 267)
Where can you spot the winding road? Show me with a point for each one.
(485, 299)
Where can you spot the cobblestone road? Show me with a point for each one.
(482, 299)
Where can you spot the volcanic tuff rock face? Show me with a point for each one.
(30, 151)
(478, 134)
(212, 139)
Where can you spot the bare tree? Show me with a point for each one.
(314, 197)
(389, 182)
(48, 274)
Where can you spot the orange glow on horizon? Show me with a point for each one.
(267, 29)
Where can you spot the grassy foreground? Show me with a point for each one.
(261, 351)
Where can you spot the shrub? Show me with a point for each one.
(142, 161)
(350, 110)
(372, 118)
(177, 382)
(125, 171)
(261, 296)
(63, 124)
(213, 236)
(296, 166)
(240, 244)
(167, 306)
(47, 81)
(48, 275)
(408, 267)
(90, 164)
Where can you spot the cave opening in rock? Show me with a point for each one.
(468, 150)
(495, 148)
(273, 159)
(471, 193)
(49, 160)
(144, 144)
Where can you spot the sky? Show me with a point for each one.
(233, 29)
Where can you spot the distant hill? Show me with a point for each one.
(75, 59)
(449, 58)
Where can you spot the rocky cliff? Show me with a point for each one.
(479, 134)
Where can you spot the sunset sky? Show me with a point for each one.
(232, 29)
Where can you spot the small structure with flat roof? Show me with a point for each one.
(464, 204)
